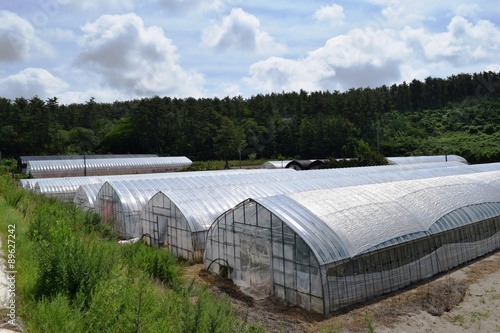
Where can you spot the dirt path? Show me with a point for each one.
(464, 300)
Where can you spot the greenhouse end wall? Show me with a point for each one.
(265, 257)
(165, 226)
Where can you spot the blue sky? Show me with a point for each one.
(125, 49)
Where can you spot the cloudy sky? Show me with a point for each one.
(126, 49)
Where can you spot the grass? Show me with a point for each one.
(72, 276)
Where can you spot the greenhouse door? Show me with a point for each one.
(255, 256)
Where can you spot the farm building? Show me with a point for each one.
(123, 201)
(22, 161)
(179, 219)
(425, 159)
(108, 166)
(326, 249)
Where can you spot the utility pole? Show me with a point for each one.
(84, 165)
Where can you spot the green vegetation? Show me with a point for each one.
(457, 115)
(72, 276)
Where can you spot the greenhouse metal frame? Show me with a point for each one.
(326, 249)
(180, 219)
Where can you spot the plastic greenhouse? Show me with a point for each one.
(86, 195)
(275, 164)
(109, 166)
(179, 219)
(326, 249)
(122, 201)
(28, 183)
(23, 160)
(65, 188)
(426, 159)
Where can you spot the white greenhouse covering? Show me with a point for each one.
(179, 218)
(425, 159)
(327, 249)
(108, 166)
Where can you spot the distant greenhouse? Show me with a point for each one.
(22, 161)
(326, 249)
(425, 159)
(99, 167)
(179, 218)
(108, 166)
(275, 164)
(293, 164)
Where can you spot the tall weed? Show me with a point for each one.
(156, 263)
(53, 315)
(72, 265)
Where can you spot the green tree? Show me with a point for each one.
(229, 140)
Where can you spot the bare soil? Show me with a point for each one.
(448, 299)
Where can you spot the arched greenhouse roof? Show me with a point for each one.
(216, 201)
(83, 167)
(340, 223)
(425, 159)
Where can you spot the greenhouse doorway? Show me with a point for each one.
(255, 268)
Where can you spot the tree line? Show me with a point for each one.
(455, 115)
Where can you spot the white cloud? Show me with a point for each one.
(372, 57)
(462, 43)
(135, 59)
(18, 40)
(467, 9)
(31, 82)
(363, 57)
(240, 31)
(333, 13)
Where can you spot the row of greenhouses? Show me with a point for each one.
(315, 164)
(102, 165)
(319, 239)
